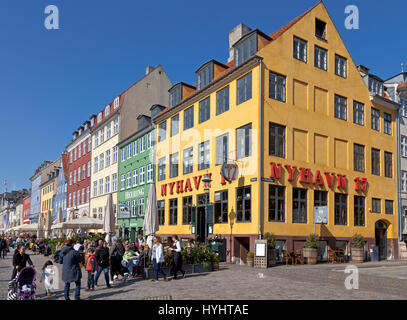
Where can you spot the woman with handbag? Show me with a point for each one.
(158, 258)
(177, 257)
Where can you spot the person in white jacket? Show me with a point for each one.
(158, 258)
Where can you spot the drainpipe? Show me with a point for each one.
(399, 208)
(260, 144)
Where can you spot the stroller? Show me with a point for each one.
(23, 287)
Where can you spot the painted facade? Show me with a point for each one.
(36, 180)
(26, 210)
(61, 191)
(136, 173)
(292, 111)
(78, 170)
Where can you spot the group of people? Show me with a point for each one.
(123, 259)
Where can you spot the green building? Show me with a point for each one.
(136, 173)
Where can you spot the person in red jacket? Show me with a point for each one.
(91, 265)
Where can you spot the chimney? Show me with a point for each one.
(235, 35)
(149, 69)
(363, 70)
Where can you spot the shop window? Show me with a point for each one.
(341, 209)
(299, 205)
(359, 211)
(221, 206)
(243, 204)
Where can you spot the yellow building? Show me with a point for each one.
(48, 191)
(293, 114)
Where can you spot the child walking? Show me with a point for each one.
(91, 265)
(47, 276)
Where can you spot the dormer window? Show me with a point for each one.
(375, 86)
(245, 49)
(86, 126)
(175, 95)
(204, 75)
(92, 122)
(99, 117)
(107, 110)
(320, 29)
(116, 102)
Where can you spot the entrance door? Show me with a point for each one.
(381, 239)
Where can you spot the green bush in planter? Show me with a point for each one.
(311, 242)
(271, 240)
(250, 255)
(358, 241)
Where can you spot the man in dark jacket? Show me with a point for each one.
(71, 270)
(102, 257)
(116, 255)
(20, 259)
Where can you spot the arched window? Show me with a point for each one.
(107, 110)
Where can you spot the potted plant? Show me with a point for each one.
(357, 248)
(215, 261)
(311, 249)
(250, 258)
(271, 249)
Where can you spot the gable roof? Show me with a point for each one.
(283, 29)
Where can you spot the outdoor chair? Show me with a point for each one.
(299, 257)
(288, 257)
(331, 256)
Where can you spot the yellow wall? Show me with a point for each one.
(48, 191)
(237, 116)
(317, 140)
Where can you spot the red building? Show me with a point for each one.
(78, 164)
(26, 210)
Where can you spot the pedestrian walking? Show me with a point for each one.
(158, 258)
(90, 267)
(177, 257)
(71, 271)
(20, 260)
(3, 247)
(48, 277)
(102, 257)
(116, 255)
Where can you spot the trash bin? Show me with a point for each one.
(374, 253)
(219, 246)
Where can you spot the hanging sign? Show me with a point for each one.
(229, 171)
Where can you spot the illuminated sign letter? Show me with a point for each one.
(329, 178)
(163, 189)
(275, 170)
(305, 175)
(341, 181)
(180, 186)
(188, 186)
(291, 171)
(318, 178)
(171, 184)
(197, 181)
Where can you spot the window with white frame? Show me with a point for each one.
(84, 148)
(149, 140)
(114, 182)
(87, 194)
(135, 148)
(123, 182)
(129, 151)
(79, 150)
(102, 135)
(116, 126)
(89, 166)
(70, 178)
(340, 107)
(116, 102)
(96, 139)
(107, 110)
(142, 144)
(70, 200)
(83, 172)
(128, 184)
(115, 154)
(74, 154)
(102, 161)
(74, 176)
(340, 66)
(70, 157)
(107, 158)
(161, 169)
(149, 173)
(300, 49)
(123, 151)
(74, 199)
(141, 207)
(108, 130)
(100, 213)
(100, 187)
(142, 175)
(107, 184)
(135, 175)
(89, 144)
(134, 208)
(83, 195)
(321, 57)
(95, 189)
(403, 109)
(99, 117)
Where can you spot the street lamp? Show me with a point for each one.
(207, 184)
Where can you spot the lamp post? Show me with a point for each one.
(207, 184)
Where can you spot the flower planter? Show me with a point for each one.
(250, 262)
(188, 268)
(311, 255)
(215, 266)
(357, 255)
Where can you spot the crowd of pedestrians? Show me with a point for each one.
(121, 259)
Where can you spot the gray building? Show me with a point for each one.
(396, 89)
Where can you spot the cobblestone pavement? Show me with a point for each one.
(383, 280)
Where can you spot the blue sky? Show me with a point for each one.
(51, 81)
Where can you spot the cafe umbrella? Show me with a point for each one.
(109, 221)
(151, 216)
